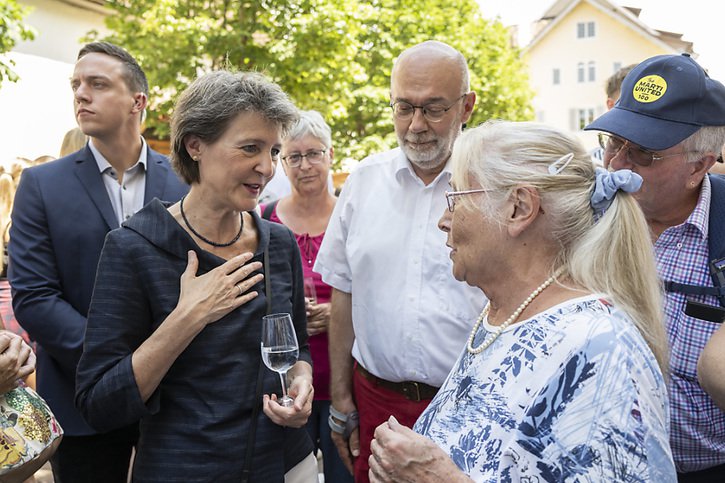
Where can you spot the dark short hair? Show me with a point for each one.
(614, 81)
(134, 76)
(212, 101)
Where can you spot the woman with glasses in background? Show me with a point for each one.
(307, 155)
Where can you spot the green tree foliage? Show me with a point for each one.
(334, 56)
(12, 29)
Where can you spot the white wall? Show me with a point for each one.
(38, 110)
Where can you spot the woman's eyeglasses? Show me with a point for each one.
(451, 197)
(313, 156)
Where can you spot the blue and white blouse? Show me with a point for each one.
(572, 394)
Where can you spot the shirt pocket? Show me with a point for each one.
(689, 337)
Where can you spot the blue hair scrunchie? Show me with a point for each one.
(606, 185)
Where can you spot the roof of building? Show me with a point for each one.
(629, 16)
(98, 6)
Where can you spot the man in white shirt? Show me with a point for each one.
(399, 318)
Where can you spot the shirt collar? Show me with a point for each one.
(699, 216)
(104, 165)
(402, 166)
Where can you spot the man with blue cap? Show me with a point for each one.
(669, 127)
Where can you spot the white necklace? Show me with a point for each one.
(489, 340)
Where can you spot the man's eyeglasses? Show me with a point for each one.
(313, 156)
(613, 145)
(451, 197)
(433, 112)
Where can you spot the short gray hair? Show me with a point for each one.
(707, 139)
(311, 123)
(213, 100)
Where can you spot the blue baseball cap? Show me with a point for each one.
(664, 100)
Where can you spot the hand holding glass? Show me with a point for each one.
(279, 349)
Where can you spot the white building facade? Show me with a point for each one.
(38, 109)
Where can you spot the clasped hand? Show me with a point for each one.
(318, 317)
(400, 455)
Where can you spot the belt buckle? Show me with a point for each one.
(412, 391)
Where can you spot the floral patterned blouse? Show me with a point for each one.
(572, 394)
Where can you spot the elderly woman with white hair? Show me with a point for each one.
(562, 376)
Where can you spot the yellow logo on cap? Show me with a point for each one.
(649, 88)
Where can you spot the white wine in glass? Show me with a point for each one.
(279, 348)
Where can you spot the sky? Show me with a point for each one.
(700, 21)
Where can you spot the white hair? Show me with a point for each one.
(613, 255)
(311, 123)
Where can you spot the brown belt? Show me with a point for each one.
(413, 391)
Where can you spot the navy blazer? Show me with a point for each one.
(60, 219)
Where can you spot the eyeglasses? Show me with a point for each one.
(451, 197)
(432, 112)
(613, 145)
(313, 156)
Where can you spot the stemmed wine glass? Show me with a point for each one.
(279, 348)
(310, 292)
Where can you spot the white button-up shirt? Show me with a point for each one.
(410, 316)
(126, 197)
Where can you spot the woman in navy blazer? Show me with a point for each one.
(175, 321)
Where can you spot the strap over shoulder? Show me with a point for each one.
(269, 209)
(716, 247)
(716, 234)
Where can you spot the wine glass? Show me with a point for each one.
(279, 348)
(310, 292)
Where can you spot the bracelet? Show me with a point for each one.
(334, 426)
(350, 422)
(338, 415)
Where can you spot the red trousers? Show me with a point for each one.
(375, 405)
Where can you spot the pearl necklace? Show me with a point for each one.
(487, 342)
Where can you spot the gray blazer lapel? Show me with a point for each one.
(89, 176)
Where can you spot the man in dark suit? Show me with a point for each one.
(62, 213)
